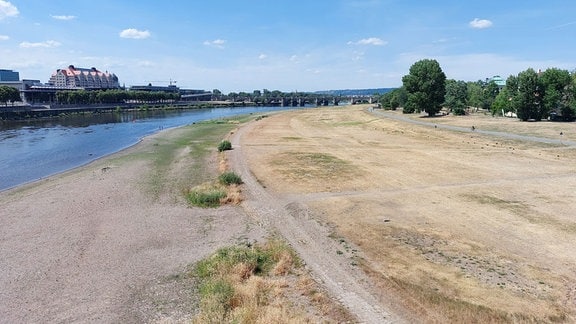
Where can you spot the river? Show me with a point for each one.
(34, 150)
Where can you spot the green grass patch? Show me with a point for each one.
(179, 159)
(206, 198)
(225, 145)
(229, 178)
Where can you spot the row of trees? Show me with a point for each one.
(84, 97)
(261, 96)
(530, 95)
(9, 94)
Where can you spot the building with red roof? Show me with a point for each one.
(90, 79)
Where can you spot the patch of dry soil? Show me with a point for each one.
(482, 221)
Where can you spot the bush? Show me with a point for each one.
(224, 146)
(228, 178)
(459, 111)
(209, 198)
(239, 284)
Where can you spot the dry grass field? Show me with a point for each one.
(450, 225)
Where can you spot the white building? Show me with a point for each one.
(73, 77)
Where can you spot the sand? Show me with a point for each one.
(93, 245)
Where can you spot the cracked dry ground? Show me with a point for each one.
(404, 221)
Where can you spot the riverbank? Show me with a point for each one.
(107, 242)
(51, 111)
(398, 221)
(114, 241)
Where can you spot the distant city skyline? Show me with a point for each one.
(288, 45)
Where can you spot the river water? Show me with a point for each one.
(31, 151)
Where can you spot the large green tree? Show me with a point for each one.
(9, 94)
(426, 87)
(456, 98)
(556, 83)
(568, 110)
(527, 97)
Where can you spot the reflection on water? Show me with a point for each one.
(32, 150)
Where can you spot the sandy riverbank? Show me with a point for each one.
(105, 242)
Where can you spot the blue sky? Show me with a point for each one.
(287, 45)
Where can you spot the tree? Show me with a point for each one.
(475, 93)
(556, 84)
(568, 107)
(426, 87)
(489, 94)
(456, 97)
(393, 99)
(502, 103)
(527, 99)
(9, 94)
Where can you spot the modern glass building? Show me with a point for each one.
(9, 76)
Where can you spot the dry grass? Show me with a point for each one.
(455, 227)
(260, 284)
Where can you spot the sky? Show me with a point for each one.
(286, 45)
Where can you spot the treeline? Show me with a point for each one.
(530, 95)
(85, 97)
(262, 96)
(9, 94)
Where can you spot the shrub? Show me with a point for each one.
(240, 284)
(209, 198)
(224, 146)
(228, 178)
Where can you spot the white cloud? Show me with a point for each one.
(134, 33)
(7, 10)
(219, 43)
(561, 26)
(63, 17)
(480, 23)
(369, 41)
(4, 37)
(46, 44)
(262, 56)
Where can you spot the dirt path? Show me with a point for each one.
(311, 239)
